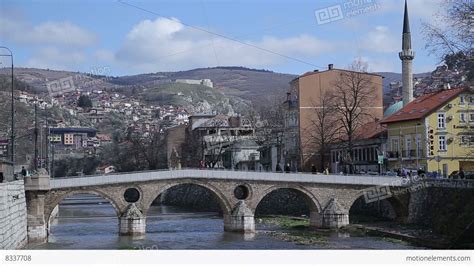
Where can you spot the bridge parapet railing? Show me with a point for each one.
(225, 175)
(448, 183)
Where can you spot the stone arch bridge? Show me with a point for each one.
(329, 197)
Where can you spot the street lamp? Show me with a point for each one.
(12, 137)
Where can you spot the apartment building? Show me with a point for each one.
(304, 98)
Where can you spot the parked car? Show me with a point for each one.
(467, 175)
(390, 173)
(454, 175)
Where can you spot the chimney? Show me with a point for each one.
(330, 66)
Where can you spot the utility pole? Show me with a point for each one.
(48, 142)
(36, 135)
(51, 172)
(12, 137)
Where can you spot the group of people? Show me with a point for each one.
(408, 173)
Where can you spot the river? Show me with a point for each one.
(88, 222)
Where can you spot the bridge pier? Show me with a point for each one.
(36, 186)
(241, 219)
(334, 216)
(37, 230)
(315, 220)
(132, 222)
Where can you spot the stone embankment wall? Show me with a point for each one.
(447, 211)
(12, 215)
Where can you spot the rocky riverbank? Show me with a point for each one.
(296, 229)
(291, 229)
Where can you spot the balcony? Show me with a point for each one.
(391, 155)
(406, 155)
(413, 154)
(409, 153)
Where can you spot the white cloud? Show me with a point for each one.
(379, 65)
(15, 29)
(381, 40)
(104, 55)
(62, 33)
(52, 57)
(166, 44)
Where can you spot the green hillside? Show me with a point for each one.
(195, 98)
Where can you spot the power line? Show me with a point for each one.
(222, 36)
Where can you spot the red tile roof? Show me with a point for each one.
(370, 130)
(423, 106)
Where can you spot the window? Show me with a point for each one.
(419, 149)
(407, 145)
(471, 100)
(394, 145)
(442, 143)
(68, 139)
(461, 100)
(471, 117)
(441, 120)
(467, 140)
(462, 117)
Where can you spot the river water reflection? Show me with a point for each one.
(88, 222)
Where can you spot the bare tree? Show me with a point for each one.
(137, 151)
(455, 34)
(123, 156)
(151, 148)
(452, 38)
(352, 95)
(270, 122)
(323, 127)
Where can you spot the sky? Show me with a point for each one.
(126, 37)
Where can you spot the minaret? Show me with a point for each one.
(407, 55)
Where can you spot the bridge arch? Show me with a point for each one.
(399, 204)
(310, 199)
(54, 199)
(224, 202)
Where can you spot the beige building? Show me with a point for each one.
(434, 132)
(304, 97)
